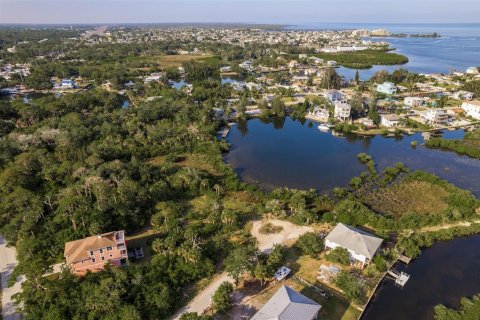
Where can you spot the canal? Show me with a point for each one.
(443, 274)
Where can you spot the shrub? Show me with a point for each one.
(351, 287)
(222, 298)
(310, 244)
(339, 255)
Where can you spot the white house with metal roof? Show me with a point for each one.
(288, 304)
(361, 245)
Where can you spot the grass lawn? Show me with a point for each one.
(196, 161)
(409, 197)
(143, 239)
(171, 61)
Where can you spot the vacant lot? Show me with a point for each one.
(287, 233)
(195, 161)
(409, 197)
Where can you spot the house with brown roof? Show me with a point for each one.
(93, 253)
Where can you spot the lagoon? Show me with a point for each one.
(281, 152)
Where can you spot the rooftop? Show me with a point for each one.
(355, 240)
(77, 250)
(288, 304)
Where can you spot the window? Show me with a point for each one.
(103, 258)
(93, 260)
(101, 250)
(91, 253)
(109, 248)
(111, 256)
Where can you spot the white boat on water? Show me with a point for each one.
(323, 127)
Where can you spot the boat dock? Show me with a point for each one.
(400, 278)
(404, 259)
(223, 133)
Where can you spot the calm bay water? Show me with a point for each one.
(285, 152)
(457, 49)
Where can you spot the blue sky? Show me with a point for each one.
(263, 11)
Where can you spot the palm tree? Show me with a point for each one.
(217, 188)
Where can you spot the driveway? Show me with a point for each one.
(203, 300)
(8, 262)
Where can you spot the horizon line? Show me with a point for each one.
(237, 23)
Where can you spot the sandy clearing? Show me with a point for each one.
(8, 262)
(289, 233)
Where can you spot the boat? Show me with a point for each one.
(323, 127)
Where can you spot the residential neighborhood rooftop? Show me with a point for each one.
(354, 239)
(288, 304)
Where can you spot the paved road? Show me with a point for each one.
(8, 261)
(203, 300)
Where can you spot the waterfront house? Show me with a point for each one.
(387, 88)
(361, 246)
(342, 111)
(67, 84)
(334, 96)
(367, 122)
(93, 253)
(318, 114)
(389, 120)
(472, 108)
(288, 304)
(331, 63)
(435, 116)
(246, 65)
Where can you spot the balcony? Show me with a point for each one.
(119, 237)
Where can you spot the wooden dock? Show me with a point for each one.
(400, 279)
(223, 133)
(404, 259)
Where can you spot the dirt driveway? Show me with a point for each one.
(203, 300)
(8, 261)
(289, 233)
